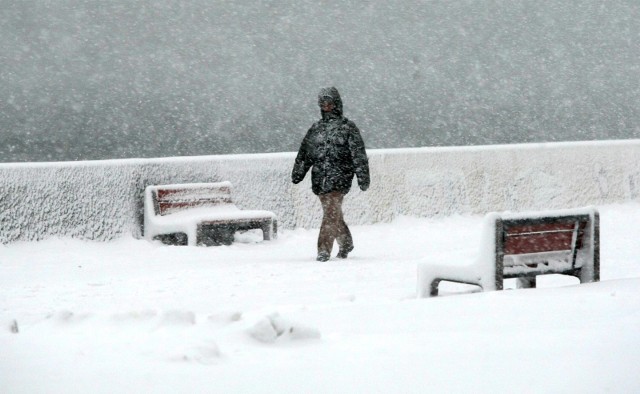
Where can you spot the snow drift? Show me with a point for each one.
(130, 316)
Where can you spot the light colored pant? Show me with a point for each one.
(333, 224)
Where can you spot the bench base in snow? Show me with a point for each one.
(216, 233)
(213, 233)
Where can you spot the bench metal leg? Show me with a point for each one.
(586, 275)
(266, 230)
(269, 229)
(499, 278)
(433, 291)
(172, 239)
(528, 282)
(433, 287)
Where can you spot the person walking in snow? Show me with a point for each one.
(334, 148)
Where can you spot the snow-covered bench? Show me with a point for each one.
(200, 214)
(522, 246)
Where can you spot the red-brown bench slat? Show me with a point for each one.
(542, 237)
(163, 194)
(539, 227)
(167, 207)
(538, 242)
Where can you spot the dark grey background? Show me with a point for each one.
(112, 79)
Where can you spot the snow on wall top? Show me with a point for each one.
(102, 200)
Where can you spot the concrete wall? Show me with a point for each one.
(101, 200)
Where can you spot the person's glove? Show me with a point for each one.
(295, 178)
(364, 187)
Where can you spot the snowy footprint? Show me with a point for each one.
(273, 327)
(206, 354)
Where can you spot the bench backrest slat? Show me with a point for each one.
(552, 234)
(174, 199)
(536, 243)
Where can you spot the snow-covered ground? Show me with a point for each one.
(131, 316)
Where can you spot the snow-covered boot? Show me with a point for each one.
(344, 252)
(323, 256)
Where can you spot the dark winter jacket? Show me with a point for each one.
(334, 148)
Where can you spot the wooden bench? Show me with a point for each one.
(523, 246)
(200, 214)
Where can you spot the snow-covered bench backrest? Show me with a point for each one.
(559, 240)
(167, 199)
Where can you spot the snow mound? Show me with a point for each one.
(134, 316)
(225, 318)
(10, 326)
(273, 328)
(206, 354)
(67, 317)
(178, 318)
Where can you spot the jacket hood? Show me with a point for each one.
(332, 94)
